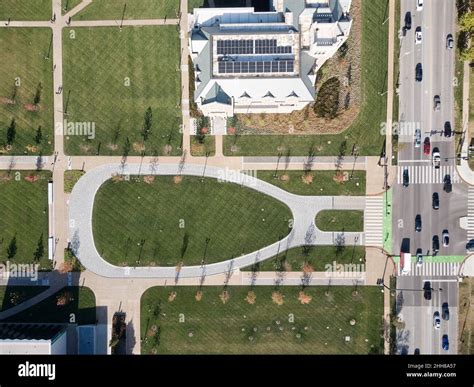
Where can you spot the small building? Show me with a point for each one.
(263, 62)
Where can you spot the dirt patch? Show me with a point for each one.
(152, 331)
(168, 149)
(277, 298)
(285, 178)
(6, 101)
(224, 296)
(172, 296)
(31, 148)
(308, 268)
(116, 177)
(307, 179)
(198, 296)
(86, 148)
(112, 147)
(32, 178)
(4, 177)
(304, 298)
(138, 147)
(251, 297)
(31, 107)
(177, 179)
(148, 179)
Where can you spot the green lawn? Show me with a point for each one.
(135, 9)
(22, 69)
(111, 78)
(24, 216)
(237, 327)
(71, 178)
(340, 220)
(365, 131)
(11, 296)
(208, 146)
(316, 256)
(58, 308)
(67, 5)
(168, 222)
(316, 182)
(25, 10)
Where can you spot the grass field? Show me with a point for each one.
(466, 316)
(365, 131)
(67, 5)
(77, 300)
(22, 69)
(237, 327)
(24, 214)
(165, 223)
(11, 296)
(111, 78)
(25, 10)
(319, 183)
(207, 147)
(71, 178)
(340, 220)
(135, 9)
(316, 256)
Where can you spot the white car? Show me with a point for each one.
(436, 320)
(436, 158)
(418, 35)
(419, 5)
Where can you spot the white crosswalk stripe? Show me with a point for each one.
(431, 269)
(373, 221)
(427, 174)
(470, 213)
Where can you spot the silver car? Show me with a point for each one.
(436, 320)
(417, 138)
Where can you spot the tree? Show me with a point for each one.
(11, 132)
(39, 135)
(126, 147)
(12, 248)
(39, 253)
(146, 131)
(468, 54)
(466, 22)
(37, 97)
(327, 103)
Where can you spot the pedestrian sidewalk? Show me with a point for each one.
(464, 171)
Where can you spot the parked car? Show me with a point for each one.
(448, 186)
(445, 238)
(436, 320)
(427, 290)
(470, 246)
(435, 201)
(419, 257)
(418, 223)
(418, 35)
(418, 72)
(445, 343)
(449, 41)
(417, 138)
(436, 103)
(445, 311)
(419, 5)
(435, 244)
(447, 129)
(408, 21)
(427, 146)
(417, 351)
(436, 158)
(406, 177)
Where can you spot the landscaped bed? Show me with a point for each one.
(11, 296)
(262, 320)
(174, 220)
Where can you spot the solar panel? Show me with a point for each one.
(221, 66)
(252, 67)
(282, 66)
(274, 67)
(267, 67)
(229, 67)
(289, 66)
(259, 67)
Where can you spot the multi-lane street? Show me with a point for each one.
(426, 110)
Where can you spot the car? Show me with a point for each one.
(417, 351)
(418, 35)
(445, 311)
(445, 342)
(418, 223)
(447, 186)
(419, 5)
(435, 201)
(427, 146)
(436, 320)
(470, 246)
(427, 290)
(418, 72)
(406, 177)
(449, 41)
(445, 237)
(436, 158)
(417, 138)
(447, 129)
(408, 21)
(435, 244)
(419, 257)
(436, 103)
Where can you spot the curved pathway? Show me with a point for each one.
(303, 208)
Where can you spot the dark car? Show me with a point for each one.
(418, 72)
(435, 244)
(445, 237)
(435, 201)
(427, 290)
(470, 246)
(417, 351)
(418, 223)
(427, 146)
(447, 129)
(408, 21)
(406, 178)
(448, 186)
(445, 342)
(445, 311)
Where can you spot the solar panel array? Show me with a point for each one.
(260, 46)
(240, 67)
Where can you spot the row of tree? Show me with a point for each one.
(12, 249)
(11, 133)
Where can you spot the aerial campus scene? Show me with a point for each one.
(191, 177)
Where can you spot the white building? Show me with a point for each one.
(263, 62)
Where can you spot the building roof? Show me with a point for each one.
(33, 331)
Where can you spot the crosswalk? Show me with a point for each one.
(427, 174)
(373, 221)
(470, 213)
(428, 269)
